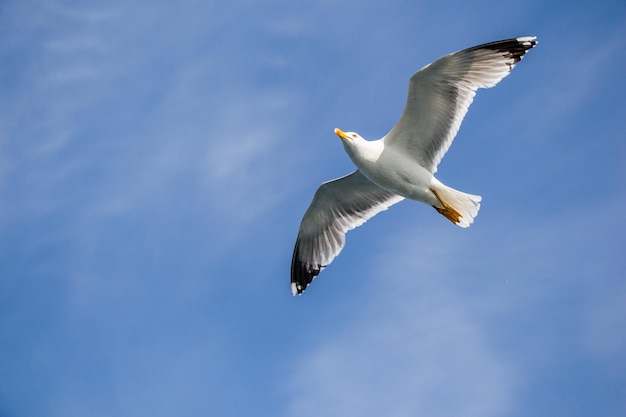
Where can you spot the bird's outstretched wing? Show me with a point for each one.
(441, 92)
(338, 206)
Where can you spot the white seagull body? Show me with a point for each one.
(402, 163)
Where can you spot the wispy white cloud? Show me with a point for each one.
(418, 349)
(207, 121)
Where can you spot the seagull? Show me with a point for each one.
(402, 163)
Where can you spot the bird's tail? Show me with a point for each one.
(458, 207)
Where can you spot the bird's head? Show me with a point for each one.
(354, 144)
(349, 139)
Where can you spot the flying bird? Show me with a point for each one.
(402, 163)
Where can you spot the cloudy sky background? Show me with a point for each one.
(155, 162)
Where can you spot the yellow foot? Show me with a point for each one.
(447, 210)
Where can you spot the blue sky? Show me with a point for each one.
(156, 159)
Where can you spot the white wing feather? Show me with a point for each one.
(441, 92)
(338, 206)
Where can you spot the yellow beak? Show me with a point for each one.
(340, 133)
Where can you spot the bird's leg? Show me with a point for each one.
(447, 210)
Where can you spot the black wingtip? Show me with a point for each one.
(514, 48)
(301, 273)
(521, 46)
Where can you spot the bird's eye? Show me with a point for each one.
(354, 135)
